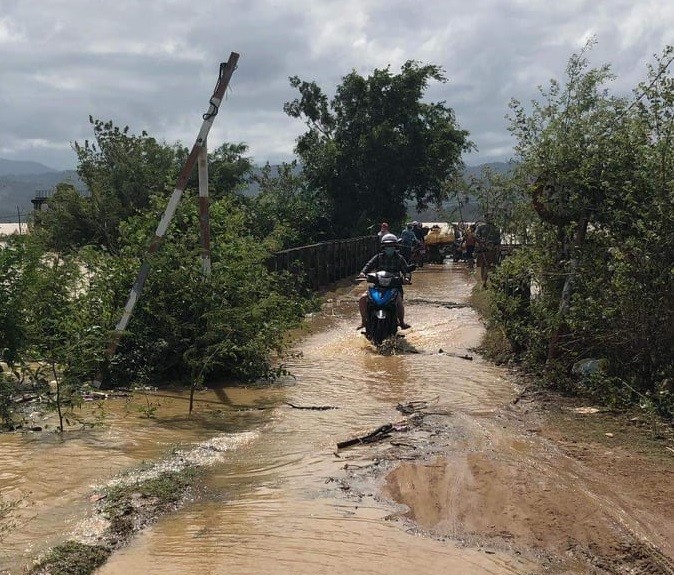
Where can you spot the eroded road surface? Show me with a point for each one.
(467, 483)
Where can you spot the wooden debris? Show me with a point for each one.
(382, 432)
(460, 356)
(312, 407)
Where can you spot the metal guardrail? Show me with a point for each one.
(326, 262)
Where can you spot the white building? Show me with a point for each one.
(13, 228)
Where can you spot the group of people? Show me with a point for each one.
(412, 237)
(482, 242)
(397, 252)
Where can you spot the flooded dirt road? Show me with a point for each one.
(473, 490)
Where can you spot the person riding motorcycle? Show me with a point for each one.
(390, 260)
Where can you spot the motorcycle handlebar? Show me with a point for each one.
(407, 276)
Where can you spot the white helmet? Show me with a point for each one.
(389, 240)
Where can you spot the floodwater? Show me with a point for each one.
(268, 505)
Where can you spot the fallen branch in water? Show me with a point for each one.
(450, 354)
(378, 434)
(312, 407)
(415, 406)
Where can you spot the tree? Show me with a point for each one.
(122, 172)
(228, 168)
(188, 326)
(69, 222)
(597, 170)
(287, 212)
(18, 262)
(377, 144)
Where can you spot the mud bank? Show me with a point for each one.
(574, 491)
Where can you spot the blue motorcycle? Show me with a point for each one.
(382, 314)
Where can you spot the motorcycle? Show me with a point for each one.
(418, 255)
(382, 314)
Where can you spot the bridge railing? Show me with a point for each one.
(326, 262)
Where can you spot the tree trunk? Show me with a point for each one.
(554, 346)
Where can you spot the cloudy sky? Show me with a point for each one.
(152, 64)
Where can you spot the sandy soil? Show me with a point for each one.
(576, 492)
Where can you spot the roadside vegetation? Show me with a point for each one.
(588, 301)
(64, 285)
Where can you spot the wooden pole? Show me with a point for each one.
(225, 74)
(203, 212)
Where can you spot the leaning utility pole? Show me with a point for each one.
(198, 152)
(203, 212)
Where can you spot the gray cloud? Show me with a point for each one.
(152, 65)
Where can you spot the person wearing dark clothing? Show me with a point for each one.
(469, 241)
(390, 260)
(488, 240)
(408, 240)
(419, 231)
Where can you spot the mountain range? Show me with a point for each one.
(20, 180)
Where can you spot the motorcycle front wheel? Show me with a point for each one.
(380, 330)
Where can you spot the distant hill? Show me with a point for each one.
(19, 168)
(496, 167)
(450, 211)
(20, 180)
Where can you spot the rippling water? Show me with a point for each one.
(267, 508)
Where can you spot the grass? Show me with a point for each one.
(72, 558)
(495, 345)
(128, 508)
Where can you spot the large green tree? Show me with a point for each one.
(597, 170)
(123, 172)
(377, 144)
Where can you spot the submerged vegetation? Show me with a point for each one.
(64, 285)
(126, 508)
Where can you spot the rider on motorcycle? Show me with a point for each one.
(390, 260)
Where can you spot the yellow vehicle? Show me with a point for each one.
(439, 241)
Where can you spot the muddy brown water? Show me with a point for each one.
(268, 505)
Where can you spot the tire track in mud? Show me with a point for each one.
(432, 480)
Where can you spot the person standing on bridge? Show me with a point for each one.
(408, 240)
